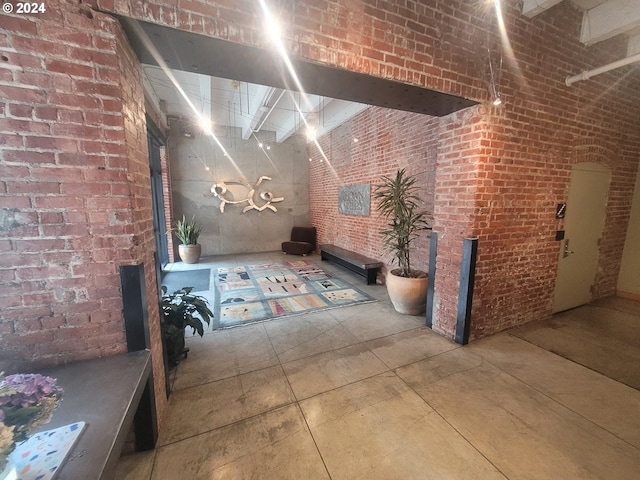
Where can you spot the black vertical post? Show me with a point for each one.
(134, 303)
(136, 322)
(433, 251)
(465, 297)
(145, 420)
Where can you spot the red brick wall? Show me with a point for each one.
(387, 140)
(74, 182)
(429, 44)
(168, 207)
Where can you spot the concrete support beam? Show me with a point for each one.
(633, 47)
(531, 8)
(257, 110)
(609, 19)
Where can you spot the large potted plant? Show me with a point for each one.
(180, 310)
(398, 203)
(188, 232)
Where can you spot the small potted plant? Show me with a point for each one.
(398, 204)
(180, 310)
(188, 232)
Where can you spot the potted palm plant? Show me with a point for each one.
(180, 310)
(398, 204)
(188, 232)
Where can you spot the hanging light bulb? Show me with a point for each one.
(205, 124)
(311, 133)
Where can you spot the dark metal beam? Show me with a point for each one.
(197, 53)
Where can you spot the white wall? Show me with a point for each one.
(629, 278)
(233, 231)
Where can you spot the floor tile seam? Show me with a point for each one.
(611, 308)
(153, 464)
(299, 400)
(444, 419)
(313, 439)
(217, 380)
(562, 404)
(417, 327)
(316, 354)
(230, 424)
(592, 334)
(382, 361)
(360, 342)
(393, 369)
(415, 361)
(303, 343)
(572, 361)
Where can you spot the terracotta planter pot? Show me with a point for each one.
(190, 253)
(408, 295)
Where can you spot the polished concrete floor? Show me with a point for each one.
(364, 393)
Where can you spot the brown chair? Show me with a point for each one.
(303, 241)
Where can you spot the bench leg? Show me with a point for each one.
(145, 419)
(372, 273)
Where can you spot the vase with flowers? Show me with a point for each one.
(27, 401)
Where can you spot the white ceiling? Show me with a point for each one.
(602, 19)
(254, 108)
(250, 107)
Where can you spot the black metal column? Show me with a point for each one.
(465, 297)
(134, 303)
(433, 252)
(136, 321)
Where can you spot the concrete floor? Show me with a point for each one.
(364, 393)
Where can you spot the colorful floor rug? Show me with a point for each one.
(253, 293)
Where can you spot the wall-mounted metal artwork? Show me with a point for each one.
(220, 189)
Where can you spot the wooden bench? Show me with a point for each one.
(363, 266)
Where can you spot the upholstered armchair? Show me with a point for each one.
(303, 241)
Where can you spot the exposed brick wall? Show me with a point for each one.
(431, 44)
(456, 189)
(74, 181)
(168, 206)
(387, 140)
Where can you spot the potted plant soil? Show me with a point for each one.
(188, 232)
(180, 310)
(398, 204)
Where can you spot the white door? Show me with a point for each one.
(584, 221)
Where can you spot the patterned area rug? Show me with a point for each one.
(252, 293)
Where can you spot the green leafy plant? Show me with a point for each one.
(187, 231)
(398, 204)
(180, 310)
